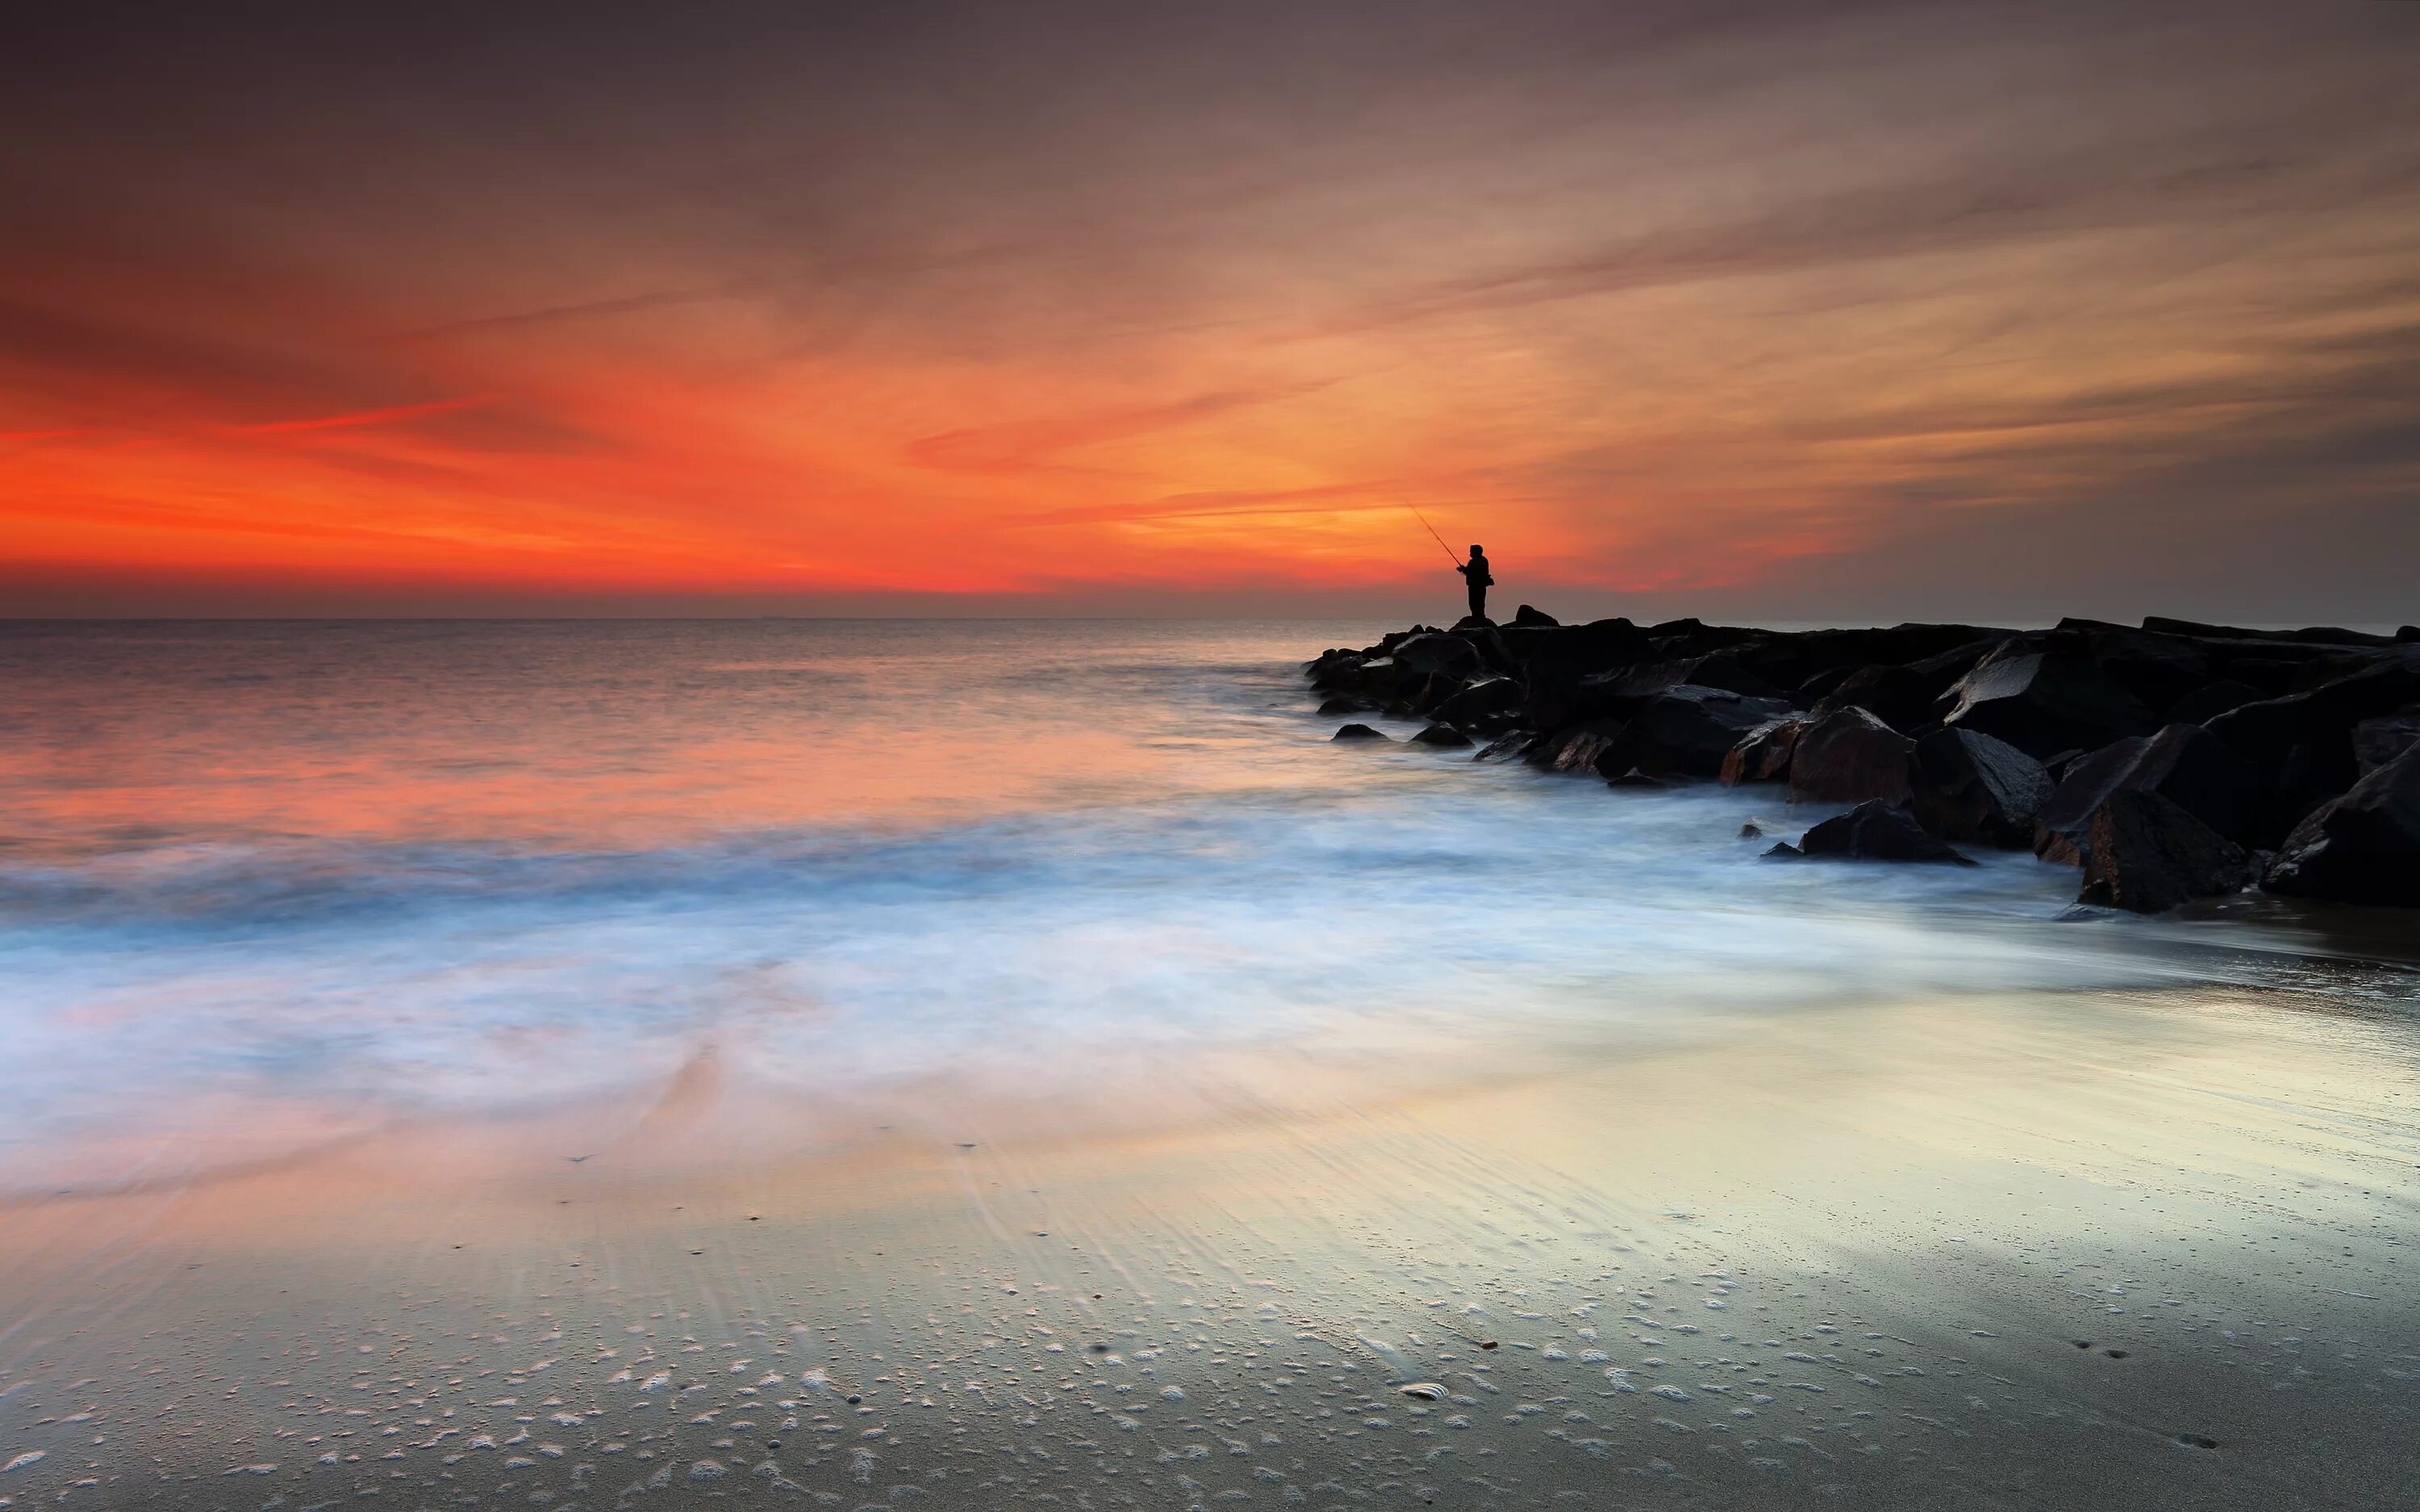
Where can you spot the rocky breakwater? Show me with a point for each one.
(2166, 762)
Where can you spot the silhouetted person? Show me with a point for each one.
(1475, 572)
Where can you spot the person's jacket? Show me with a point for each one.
(1474, 570)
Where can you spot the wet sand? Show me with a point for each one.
(2140, 1249)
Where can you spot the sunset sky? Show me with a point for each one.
(1856, 313)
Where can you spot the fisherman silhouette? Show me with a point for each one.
(1475, 572)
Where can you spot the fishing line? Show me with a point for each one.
(1432, 530)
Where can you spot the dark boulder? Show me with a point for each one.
(2183, 762)
(2157, 668)
(2300, 746)
(1487, 703)
(1878, 831)
(1513, 745)
(1903, 695)
(2211, 700)
(1443, 735)
(1576, 748)
(2377, 742)
(1439, 654)
(1790, 660)
(2144, 851)
(2362, 847)
(1687, 731)
(1528, 618)
(1849, 756)
(1565, 658)
(2316, 635)
(1344, 704)
(1716, 669)
(1763, 755)
(1967, 786)
(1356, 731)
(1474, 622)
(2044, 702)
(1695, 638)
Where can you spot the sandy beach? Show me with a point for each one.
(2140, 1250)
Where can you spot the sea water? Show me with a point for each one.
(267, 883)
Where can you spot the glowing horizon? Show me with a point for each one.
(1916, 311)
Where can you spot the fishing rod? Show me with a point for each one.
(1432, 530)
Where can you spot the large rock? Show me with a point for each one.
(1714, 669)
(1356, 731)
(2300, 746)
(1763, 755)
(1440, 654)
(1967, 786)
(2158, 668)
(1443, 735)
(2146, 853)
(1569, 669)
(1789, 660)
(2183, 762)
(1527, 618)
(1849, 756)
(2362, 847)
(1687, 732)
(1576, 748)
(1488, 705)
(2044, 702)
(2320, 634)
(2211, 700)
(1875, 831)
(1902, 695)
(2377, 742)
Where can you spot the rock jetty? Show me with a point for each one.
(2166, 761)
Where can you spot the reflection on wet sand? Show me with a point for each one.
(2027, 1250)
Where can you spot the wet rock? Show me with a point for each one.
(1751, 830)
(1783, 851)
(2044, 702)
(1487, 703)
(1878, 831)
(1344, 704)
(1964, 785)
(1442, 736)
(1716, 669)
(2377, 742)
(1575, 749)
(1514, 745)
(1849, 756)
(1357, 731)
(1687, 731)
(2211, 700)
(1903, 695)
(1527, 618)
(2362, 847)
(1791, 660)
(1474, 622)
(2146, 853)
(2183, 762)
(2300, 746)
(1637, 779)
(2157, 668)
(1439, 654)
(1763, 755)
(2319, 635)
(1568, 668)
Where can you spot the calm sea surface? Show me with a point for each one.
(265, 885)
